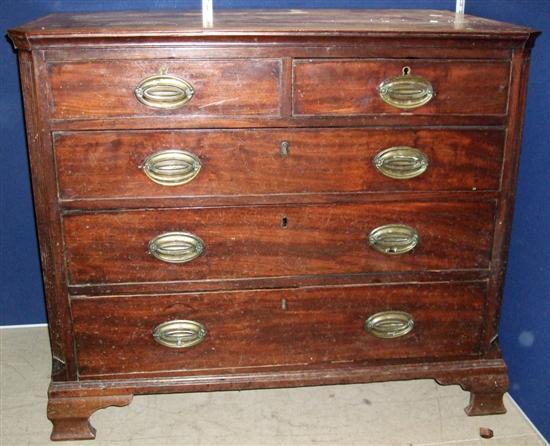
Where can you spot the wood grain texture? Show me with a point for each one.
(179, 286)
(155, 26)
(486, 392)
(486, 374)
(70, 416)
(179, 122)
(290, 376)
(308, 77)
(47, 216)
(503, 222)
(114, 335)
(222, 88)
(298, 47)
(251, 242)
(80, 205)
(248, 162)
(350, 86)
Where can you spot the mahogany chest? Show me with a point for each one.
(288, 198)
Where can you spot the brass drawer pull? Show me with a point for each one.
(393, 239)
(389, 324)
(406, 91)
(179, 333)
(401, 162)
(164, 91)
(176, 247)
(172, 167)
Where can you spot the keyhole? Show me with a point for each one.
(284, 148)
(406, 71)
(284, 304)
(284, 222)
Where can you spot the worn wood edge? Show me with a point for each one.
(25, 42)
(92, 291)
(28, 38)
(463, 373)
(45, 205)
(240, 122)
(70, 415)
(298, 50)
(505, 208)
(70, 404)
(486, 389)
(71, 206)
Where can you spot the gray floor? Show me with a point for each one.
(398, 413)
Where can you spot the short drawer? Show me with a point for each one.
(248, 162)
(108, 89)
(272, 241)
(236, 330)
(427, 87)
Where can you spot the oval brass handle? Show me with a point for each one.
(406, 91)
(401, 162)
(176, 247)
(393, 239)
(389, 324)
(164, 91)
(179, 333)
(172, 167)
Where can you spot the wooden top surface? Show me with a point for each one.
(266, 22)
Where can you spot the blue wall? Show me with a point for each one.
(525, 331)
(525, 320)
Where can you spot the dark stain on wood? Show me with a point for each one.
(287, 279)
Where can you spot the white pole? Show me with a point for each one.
(460, 5)
(207, 14)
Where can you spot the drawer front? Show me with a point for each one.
(247, 162)
(233, 243)
(282, 327)
(351, 87)
(107, 89)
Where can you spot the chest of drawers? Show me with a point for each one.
(289, 198)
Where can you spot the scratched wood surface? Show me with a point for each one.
(320, 325)
(271, 222)
(460, 87)
(254, 241)
(294, 21)
(102, 165)
(222, 87)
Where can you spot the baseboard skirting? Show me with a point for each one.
(5, 327)
(518, 407)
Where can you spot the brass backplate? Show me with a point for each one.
(390, 324)
(179, 333)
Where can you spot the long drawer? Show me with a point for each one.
(272, 241)
(108, 89)
(247, 162)
(129, 334)
(413, 86)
